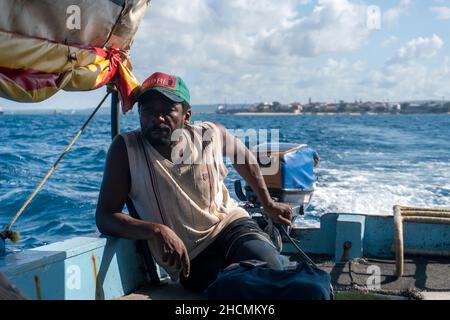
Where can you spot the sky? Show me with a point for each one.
(246, 51)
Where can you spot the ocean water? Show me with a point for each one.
(369, 163)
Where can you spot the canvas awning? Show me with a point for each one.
(74, 45)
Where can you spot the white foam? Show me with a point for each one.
(350, 190)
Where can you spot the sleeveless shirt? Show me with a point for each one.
(190, 197)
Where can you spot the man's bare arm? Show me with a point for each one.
(112, 221)
(113, 194)
(246, 165)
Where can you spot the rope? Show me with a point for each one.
(49, 173)
(306, 258)
(302, 253)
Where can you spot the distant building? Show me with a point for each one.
(410, 108)
(328, 108)
(379, 107)
(284, 108)
(296, 107)
(357, 107)
(267, 106)
(395, 108)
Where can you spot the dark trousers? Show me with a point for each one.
(240, 240)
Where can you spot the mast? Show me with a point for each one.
(115, 114)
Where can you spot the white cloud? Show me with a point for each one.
(389, 41)
(411, 81)
(213, 43)
(442, 13)
(336, 78)
(392, 15)
(253, 50)
(333, 26)
(419, 48)
(409, 75)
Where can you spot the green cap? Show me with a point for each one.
(172, 87)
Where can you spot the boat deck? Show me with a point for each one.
(424, 278)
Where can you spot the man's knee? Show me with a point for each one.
(257, 249)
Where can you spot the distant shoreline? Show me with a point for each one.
(266, 114)
(326, 114)
(106, 112)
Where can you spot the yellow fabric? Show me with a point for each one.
(79, 69)
(20, 52)
(42, 52)
(8, 90)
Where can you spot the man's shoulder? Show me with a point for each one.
(129, 134)
(212, 125)
(208, 124)
(118, 145)
(117, 153)
(123, 142)
(130, 138)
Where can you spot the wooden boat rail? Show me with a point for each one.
(415, 215)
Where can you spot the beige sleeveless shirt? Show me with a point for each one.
(190, 198)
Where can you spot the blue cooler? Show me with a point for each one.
(288, 170)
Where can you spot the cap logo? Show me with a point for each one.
(160, 79)
(173, 87)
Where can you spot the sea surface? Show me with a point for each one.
(368, 164)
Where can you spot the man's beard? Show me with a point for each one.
(158, 136)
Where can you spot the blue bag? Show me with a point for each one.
(240, 282)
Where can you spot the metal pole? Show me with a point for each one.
(115, 114)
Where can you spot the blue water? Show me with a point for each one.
(369, 163)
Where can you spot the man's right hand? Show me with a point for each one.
(174, 251)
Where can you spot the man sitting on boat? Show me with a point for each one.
(193, 226)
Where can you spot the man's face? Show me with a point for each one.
(160, 117)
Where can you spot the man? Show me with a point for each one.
(193, 227)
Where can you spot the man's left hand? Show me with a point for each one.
(279, 213)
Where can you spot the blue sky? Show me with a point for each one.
(245, 51)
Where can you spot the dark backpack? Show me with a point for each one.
(243, 282)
